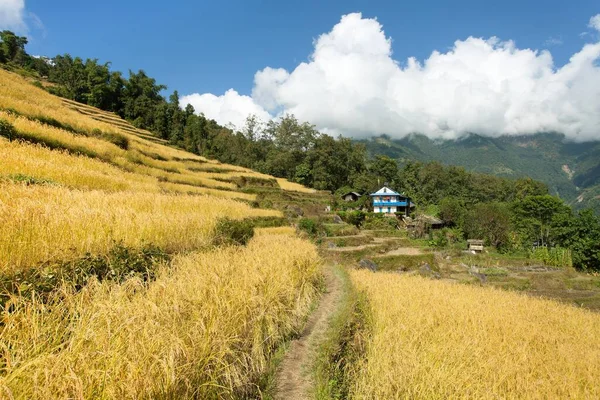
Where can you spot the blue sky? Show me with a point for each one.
(354, 68)
(208, 46)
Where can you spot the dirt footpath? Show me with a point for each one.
(294, 380)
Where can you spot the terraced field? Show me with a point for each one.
(424, 323)
(128, 267)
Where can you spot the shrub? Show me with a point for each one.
(233, 232)
(356, 218)
(554, 256)
(313, 227)
(7, 130)
(379, 222)
(118, 265)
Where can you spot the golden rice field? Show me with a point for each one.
(143, 156)
(292, 186)
(204, 329)
(78, 172)
(44, 223)
(434, 340)
(208, 321)
(81, 172)
(18, 94)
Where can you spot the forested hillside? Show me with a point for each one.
(571, 170)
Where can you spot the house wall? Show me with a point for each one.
(384, 209)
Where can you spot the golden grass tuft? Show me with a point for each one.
(294, 187)
(204, 329)
(41, 223)
(434, 340)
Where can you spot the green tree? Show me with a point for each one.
(70, 74)
(581, 234)
(452, 211)
(384, 168)
(13, 46)
(141, 98)
(490, 222)
(533, 216)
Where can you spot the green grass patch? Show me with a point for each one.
(406, 262)
(493, 271)
(28, 180)
(344, 344)
(349, 241)
(510, 283)
(340, 230)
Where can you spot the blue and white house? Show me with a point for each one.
(386, 201)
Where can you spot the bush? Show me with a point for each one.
(555, 256)
(232, 232)
(355, 218)
(311, 226)
(445, 237)
(118, 265)
(7, 130)
(379, 222)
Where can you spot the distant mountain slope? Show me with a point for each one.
(571, 170)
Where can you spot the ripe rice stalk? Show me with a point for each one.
(434, 340)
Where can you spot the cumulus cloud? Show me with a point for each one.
(15, 17)
(352, 85)
(595, 22)
(230, 108)
(12, 15)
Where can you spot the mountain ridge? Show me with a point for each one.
(571, 170)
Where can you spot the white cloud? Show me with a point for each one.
(12, 15)
(15, 17)
(553, 41)
(595, 22)
(229, 108)
(352, 85)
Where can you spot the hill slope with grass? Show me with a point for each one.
(128, 268)
(571, 170)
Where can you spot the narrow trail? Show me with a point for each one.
(294, 380)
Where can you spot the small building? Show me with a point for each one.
(387, 201)
(475, 245)
(351, 197)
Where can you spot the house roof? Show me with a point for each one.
(354, 193)
(385, 191)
